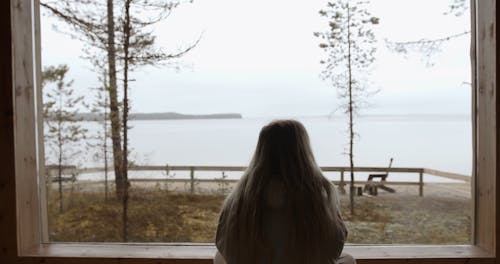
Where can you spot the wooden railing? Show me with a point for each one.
(71, 170)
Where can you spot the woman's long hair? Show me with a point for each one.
(283, 154)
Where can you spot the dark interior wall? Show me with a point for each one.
(8, 250)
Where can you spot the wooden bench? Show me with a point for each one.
(51, 171)
(371, 187)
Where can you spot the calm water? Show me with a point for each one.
(438, 142)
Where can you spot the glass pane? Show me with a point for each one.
(204, 77)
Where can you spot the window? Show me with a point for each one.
(26, 170)
(420, 118)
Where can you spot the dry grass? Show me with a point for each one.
(160, 216)
(154, 216)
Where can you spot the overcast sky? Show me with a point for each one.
(260, 58)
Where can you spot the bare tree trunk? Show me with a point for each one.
(59, 169)
(113, 103)
(351, 128)
(126, 44)
(60, 154)
(105, 146)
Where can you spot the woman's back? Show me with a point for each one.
(282, 210)
(276, 226)
(278, 229)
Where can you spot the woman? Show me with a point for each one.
(283, 210)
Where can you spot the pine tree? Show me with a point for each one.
(349, 48)
(101, 26)
(64, 134)
(101, 138)
(430, 46)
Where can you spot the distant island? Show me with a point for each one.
(160, 116)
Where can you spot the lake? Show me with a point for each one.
(440, 142)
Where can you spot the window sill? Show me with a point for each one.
(205, 252)
(417, 251)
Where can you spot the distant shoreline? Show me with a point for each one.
(178, 116)
(160, 116)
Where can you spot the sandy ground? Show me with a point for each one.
(447, 190)
(441, 216)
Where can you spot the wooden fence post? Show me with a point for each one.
(342, 178)
(192, 179)
(421, 184)
(342, 183)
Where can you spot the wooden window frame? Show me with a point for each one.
(21, 218)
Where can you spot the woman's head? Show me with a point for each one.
(283, 144)
(283, 157)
